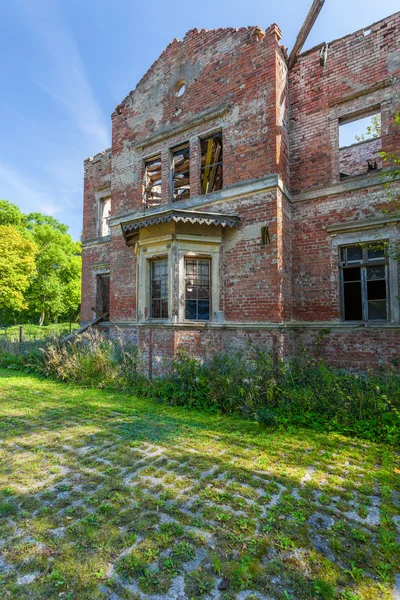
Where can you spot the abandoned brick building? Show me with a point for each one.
(229, 211)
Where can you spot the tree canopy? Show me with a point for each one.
(17, 265)
(40, 267)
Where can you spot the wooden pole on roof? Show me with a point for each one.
(309, 21)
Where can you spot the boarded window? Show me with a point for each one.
(103, 294)
(105, 211)
(152, 182)
(211, 164)
(181, 173)
(159, 289)
(364, 280)
(359, 145)
(197, 289)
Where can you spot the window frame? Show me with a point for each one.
(209, 259)
(152, 261)
(146, 162)
(172, 152)
(363, 264)
(103, 227)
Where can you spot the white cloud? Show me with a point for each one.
(66, 81)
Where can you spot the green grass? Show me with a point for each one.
(103, 493)
(34, 332)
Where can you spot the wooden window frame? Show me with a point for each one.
(197, 258)
(173, 151)
(160, 299)
(363, 264)
(150, 203)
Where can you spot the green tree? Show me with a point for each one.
(55, 287)
(35, 219)
(52, 290)
(17, 266)
(10, 214)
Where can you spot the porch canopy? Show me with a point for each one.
(131, 227)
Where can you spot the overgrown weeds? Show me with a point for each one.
(308, 392)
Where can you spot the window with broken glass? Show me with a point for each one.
(152, 182)
(159, 289)
(180, 173)
(211, 164)
(105, 211)
(364, 282)
(197, 289)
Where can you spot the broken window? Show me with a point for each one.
(197, 289)
(359, 145)
(211, 163)
(105, 211)
(181, 173)
(364, 280)
(159, 289)
(152, 182)
(103, 295)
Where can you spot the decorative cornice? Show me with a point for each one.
(244, 325)
(175, 129)
(184, 216)
(380, 85)
(350, 184)
(96, 241)
(362, 224)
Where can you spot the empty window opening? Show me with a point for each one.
(211, 164)
(105, 211)
(152, 182)
(159, 289)
(103, 295)
(265, 238)
(180, 88)
(359, 145)
(364, 280)
(197, 289)
(181, 173)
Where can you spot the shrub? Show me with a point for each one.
(266, 417)
(308, 393)
(92, 359)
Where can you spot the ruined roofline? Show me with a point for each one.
(254, 29)
(97, 157)
(348, 35)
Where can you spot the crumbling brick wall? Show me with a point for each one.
(281, 165)
(95, 253)
(360, 158)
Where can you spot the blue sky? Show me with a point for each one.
(66, 64)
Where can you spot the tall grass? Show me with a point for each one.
(307, 392)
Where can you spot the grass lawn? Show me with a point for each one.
(106, 496)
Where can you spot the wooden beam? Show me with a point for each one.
(214, 169)
(309, 21)
(206, 171)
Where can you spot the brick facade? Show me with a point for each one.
(276, 275)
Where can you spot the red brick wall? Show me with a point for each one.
(273, 124)
(122, 279)
(315, 260)
(317, 95)
(91, 256)
(97, 177)
(223, 66)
